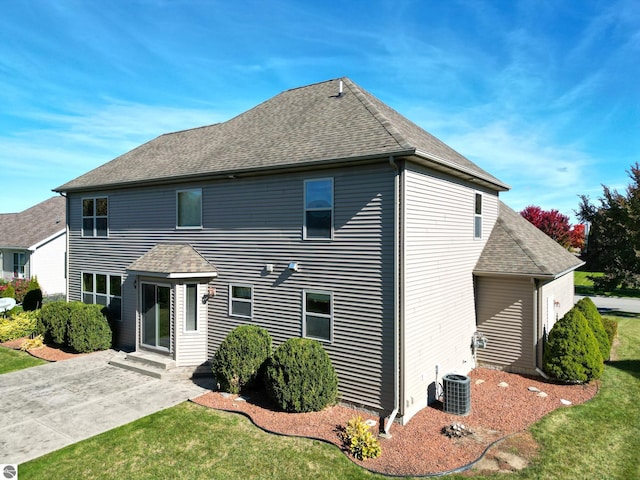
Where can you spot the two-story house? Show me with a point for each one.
(320, 213)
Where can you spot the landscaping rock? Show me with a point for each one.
(503, 384)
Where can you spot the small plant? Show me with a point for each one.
(357, 438)
(20, 325)
(300, 377)
(240, 358)
(572, 353)
(8, 291)
(32, 343)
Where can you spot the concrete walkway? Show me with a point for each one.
(47, 407)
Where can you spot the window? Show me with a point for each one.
(318, 209)
(189, 210)
(95, 217)
(241, 301)
(19, 261)
(191, 307)
(318, 315)
(103, 289)
(477, 228)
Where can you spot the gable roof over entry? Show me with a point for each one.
(173, 261)
(516, 247)
(303, 127)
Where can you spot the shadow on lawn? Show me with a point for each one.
(629, 366)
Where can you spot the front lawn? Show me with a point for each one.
(12, 360)
(598, 439)
(584, 286)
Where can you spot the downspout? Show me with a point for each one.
(397, 296)
(537, 308)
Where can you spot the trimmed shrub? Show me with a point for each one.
(88, 329)
(17, 326)
(54, 318)
(8, 291)
(611, 327)
(32, 300)
(571, 353)
(300, 376)
(240, 358)
(594, 319)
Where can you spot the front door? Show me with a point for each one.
(156, 316)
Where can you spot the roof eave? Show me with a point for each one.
(174, 275)
(541, 276)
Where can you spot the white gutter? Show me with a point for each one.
(35, 246)
(396, 309)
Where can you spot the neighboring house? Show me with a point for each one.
(33, 243)
(320, 213)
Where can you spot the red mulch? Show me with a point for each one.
(50, 354)
(419, 448)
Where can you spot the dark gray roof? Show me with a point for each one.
(28, 228)
(173, 260)
(298, 127)
(516, 247)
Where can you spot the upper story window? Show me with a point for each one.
(103, 289)
(317, 315)
(318, 209)
(95, 216)
(241, 301)
(189, 208)
(477, 226)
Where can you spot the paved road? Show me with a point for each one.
(615, 304)
(47, 407)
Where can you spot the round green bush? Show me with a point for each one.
(240, 358)
(88, 329)
(571, 353)
(594, 319)
(53, 321)
(300, 377)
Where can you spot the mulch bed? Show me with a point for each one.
(48, 353)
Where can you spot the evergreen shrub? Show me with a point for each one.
(88, 329)
(594, 319)
(611, 327)
(240, 358)
(53, 321)
(300, 377)
(571, 353)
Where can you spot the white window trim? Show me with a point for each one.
(189, 227)
(477, 236)
(232, 299)
(304, 315)
(184, 309)
(108, 294)
(305, 209)
(94, 216)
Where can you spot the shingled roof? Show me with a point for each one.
(516, 247)
(305, 126)
(30, 227)
(173, 261)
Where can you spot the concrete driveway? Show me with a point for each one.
(48, 407)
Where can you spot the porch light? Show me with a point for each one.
(294, 267)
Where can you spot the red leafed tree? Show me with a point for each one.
(553, 223)
(577, 236)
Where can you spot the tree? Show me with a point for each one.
(556, 225)
(613, 246)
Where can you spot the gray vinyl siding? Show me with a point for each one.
(440, 252)
(506, 318)
(254, 221)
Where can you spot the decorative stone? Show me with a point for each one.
(565, 402)
(370, 422)
(241, 399)
(226, 394)
(534, 389)
(542, 394)
(503, 384)
(479, 381)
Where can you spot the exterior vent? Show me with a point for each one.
(457, 394)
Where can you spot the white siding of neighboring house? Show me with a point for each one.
(47, 263)
(506, 318)
(254, 221)
(440, 252)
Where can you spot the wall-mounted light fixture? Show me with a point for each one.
(294, 267)
(268, 268)
(211, 292)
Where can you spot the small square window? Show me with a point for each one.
(95, 217)
(189, 208)
(318, 315)
(241, 301)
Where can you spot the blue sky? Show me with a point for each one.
(543, 94)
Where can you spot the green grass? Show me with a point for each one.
(584, 286)
(12, 360)
(596, 440)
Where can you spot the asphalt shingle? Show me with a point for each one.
(33, 225)
(171, 259)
